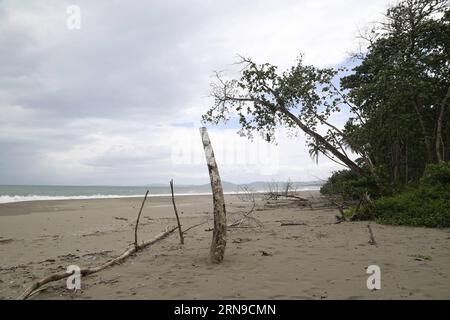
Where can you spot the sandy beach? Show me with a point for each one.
(316, 259)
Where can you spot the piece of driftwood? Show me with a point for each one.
(288, 224)
(339, 220)
(240, 223)
(137, 222)
(295, 197)
(274, 192)
(365, 201)
(219, 240)
(247, 195)
(246, 216)
(340, 207)
(176, 213)
(195, 226)
(372, 238)
(37, 286)
(276, 196)
(87, 271)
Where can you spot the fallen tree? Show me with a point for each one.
(35, 287)
(246, 194)
(87, 271)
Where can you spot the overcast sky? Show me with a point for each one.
(118, 101)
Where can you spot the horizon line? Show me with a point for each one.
(150, 185)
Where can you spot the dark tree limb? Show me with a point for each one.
(176, 213)
(440, 148)
(137, 222)
(372, 238)
(195, 226)
(289, 224)
(340, 207)
(248, 196)
(37, 286)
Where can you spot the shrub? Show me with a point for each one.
(427, 205)
(437, 174)
(349, 186)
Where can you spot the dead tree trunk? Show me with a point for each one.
(176, 213)
(372, 237)
(136, 246)
(440, 148)
(219, 240)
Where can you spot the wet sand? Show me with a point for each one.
(317, 259)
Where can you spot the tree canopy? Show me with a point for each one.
(397, 98)
(402, 89)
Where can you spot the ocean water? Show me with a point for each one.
(16, 193)
(34, 193)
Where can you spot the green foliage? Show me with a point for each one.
(437, 174)
(397, 99)
(349, 186)
(427, 205)
(348, 213)
(262, 96)
(400, 87)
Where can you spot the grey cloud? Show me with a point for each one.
(125, 59)
(134, 68)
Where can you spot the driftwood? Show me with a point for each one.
(365, 201)
(37, 286)
(288, 224)
(176, 213)
(87, 271)
(219, 241)
(195, 226)
(372, 238)
(137, 222)
(276, 196)
(288, 192)
(340, 207)
(246, 216)
(240, 222)
(339, 220)
(247, 195)
(295, 197)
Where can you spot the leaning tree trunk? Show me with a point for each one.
(219, 240)
(426, 138)
(346, 160)
(440, 149)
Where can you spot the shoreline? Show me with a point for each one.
(35, 198)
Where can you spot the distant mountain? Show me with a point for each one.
(231, 187)
(264, 185)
